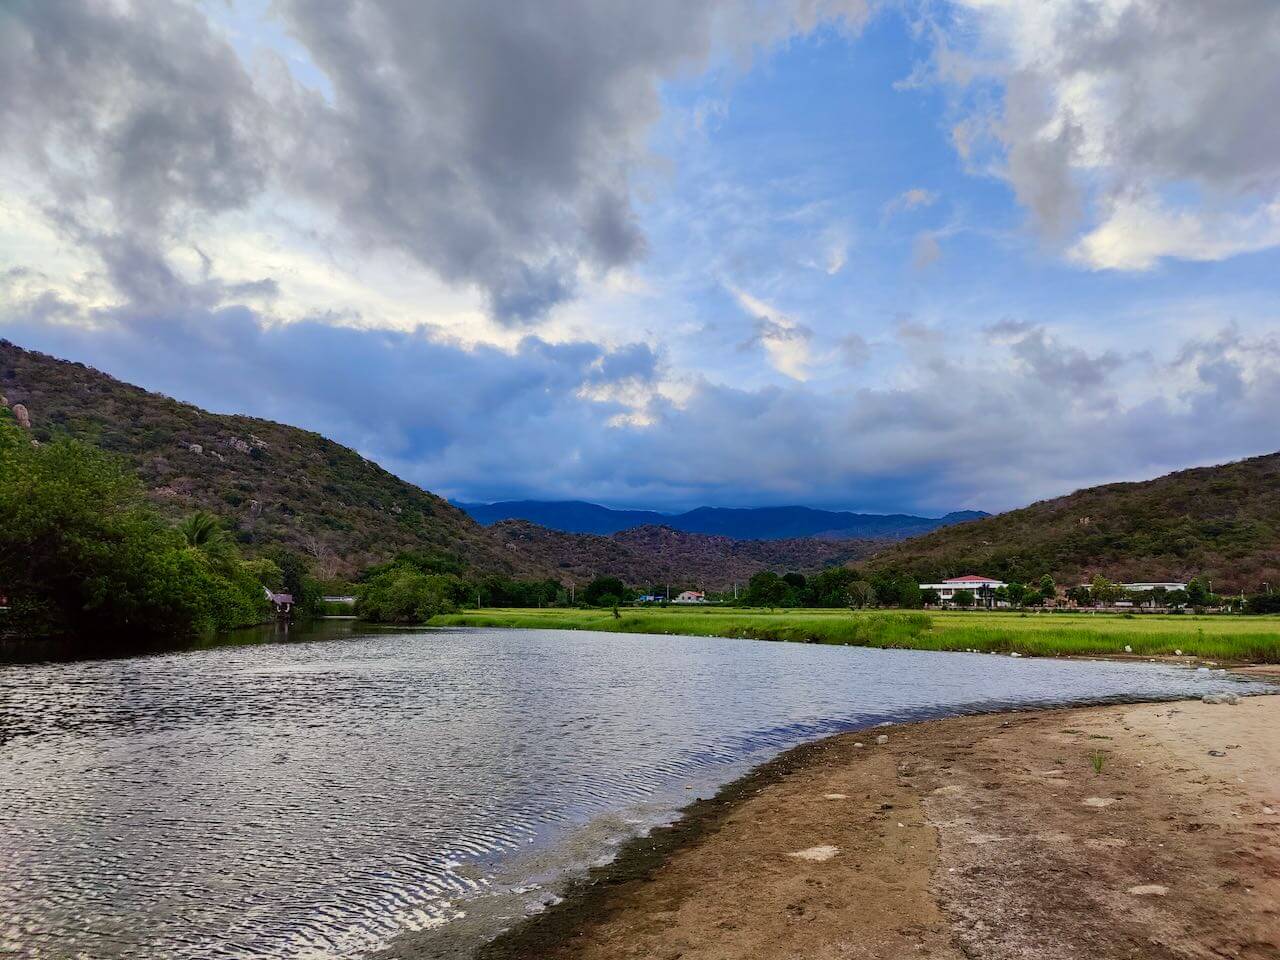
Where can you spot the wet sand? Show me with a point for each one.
(995, 836)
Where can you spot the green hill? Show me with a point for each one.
(279, 485)
(275, 484)
(1219, 522)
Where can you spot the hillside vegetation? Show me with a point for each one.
(280, 486)
(1221, 523)
(655, 556)
(275, 484)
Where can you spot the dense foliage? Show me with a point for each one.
(81, 553)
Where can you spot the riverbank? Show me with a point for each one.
(1221, 638)
(1107, 832)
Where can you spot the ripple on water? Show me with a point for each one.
(318, 799)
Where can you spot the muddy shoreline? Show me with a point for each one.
(955, 839)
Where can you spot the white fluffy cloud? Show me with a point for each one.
(1146, 125)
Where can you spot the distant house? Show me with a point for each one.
(1144, 587)
(980, 587)
(691, 596)
(283, 602)
(649, 598)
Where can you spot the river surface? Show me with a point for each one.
(323, 799)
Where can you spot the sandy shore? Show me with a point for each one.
(979, 837)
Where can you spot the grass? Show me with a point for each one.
(1223, 638)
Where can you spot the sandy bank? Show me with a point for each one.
(987, 837)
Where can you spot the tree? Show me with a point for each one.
(1198, 594)
(604, 588)
(767, 589)
(1048, 589)
(861, 594)
(1017, 593)
(962, 598)
(929, 597)
(82, 555)
(1104, 591)
(402, 593)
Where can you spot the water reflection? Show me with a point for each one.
(315, 799)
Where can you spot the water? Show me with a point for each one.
(318, 799)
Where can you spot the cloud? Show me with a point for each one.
(1125, 120)
(917, 198)
(493, 145)
(926, 251)
(787, 344)
(978, 427)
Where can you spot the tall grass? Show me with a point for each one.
(1253, 639)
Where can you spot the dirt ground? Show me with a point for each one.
(1147, 831)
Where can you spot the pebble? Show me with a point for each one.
(1177, 653)
(1230, 698)
(1149, 890)
(858, 745)
(1268, 810)
(1098, 802)
(1217, 753)
(882, 739)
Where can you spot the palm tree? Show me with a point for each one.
(205, 533)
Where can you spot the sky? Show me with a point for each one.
(911, 255)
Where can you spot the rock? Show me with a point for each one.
(22, 416)
(835, 796)
(1015, 654)
(1268, 810)
(238, 445)
(1097, 803)
(1177, 653)
(1128, 649)
(1228, 698)
(882, 740)
(1217, 753)
(859, 745)
(195, 448)
(816, 854)
(1149, 890)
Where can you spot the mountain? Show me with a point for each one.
(1220, 522)
(657, 555)
(751, 523)
(278, 485)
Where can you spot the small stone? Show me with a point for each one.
(835, 796)
(195, 448)
(1177, 653)
(1149, 890)
(1217, 753)
(858, 745)
(882, 740)
(1015, 654)
(816, 854)
(22, 416)
(1098, 802)
(1268, 810)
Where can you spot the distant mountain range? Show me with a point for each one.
(748, 523)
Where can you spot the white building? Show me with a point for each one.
(1143, 587)
(947, 588)
(691, 596)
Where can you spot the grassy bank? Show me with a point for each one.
(1252, 639)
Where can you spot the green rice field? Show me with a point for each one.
(1209, 637)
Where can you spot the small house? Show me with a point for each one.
(691, 596)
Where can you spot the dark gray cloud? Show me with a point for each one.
(494, 143)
